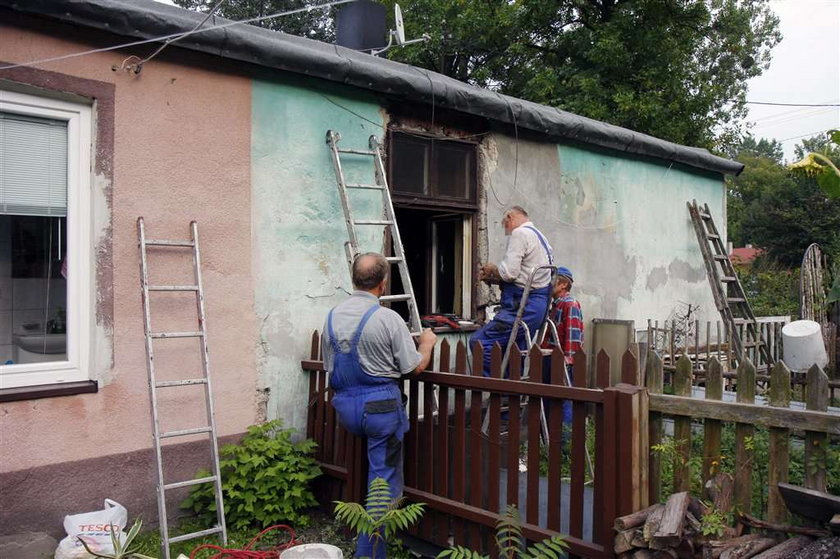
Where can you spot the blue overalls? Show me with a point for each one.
(498, 329)
(371, 407)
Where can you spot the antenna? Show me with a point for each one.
(398, 35)
(399, 32)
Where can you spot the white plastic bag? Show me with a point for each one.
(95, 529)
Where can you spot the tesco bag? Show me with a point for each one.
(95, 529)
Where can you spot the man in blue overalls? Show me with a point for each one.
(527, 250)
(366, 350)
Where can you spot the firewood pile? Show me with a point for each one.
(675, 530)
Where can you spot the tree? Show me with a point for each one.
(676, 69)
(818, 162)
(317, 24)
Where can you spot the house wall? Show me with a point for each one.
(180, 151)
(619, 223)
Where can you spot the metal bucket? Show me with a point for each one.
(803, 345)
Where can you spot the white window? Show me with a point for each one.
(45, 240)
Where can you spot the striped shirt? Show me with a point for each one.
(568, 317)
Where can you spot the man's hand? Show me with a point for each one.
(489, 273)
(427, 337)
(425, 345)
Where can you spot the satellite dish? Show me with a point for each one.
(399, 33)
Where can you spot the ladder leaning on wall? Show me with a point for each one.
(155, 385)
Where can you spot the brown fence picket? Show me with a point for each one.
(816, 443)
(602, 488)
(494, 434)
(428, 455)
(682, 427)
(744, 434)
(712, 428)
(459, 449)
(654, 380)
(532, 476)
(630, 368)
(555, 441)
(779, 449)
(476, 541)
(579, 451)
(514, 427)
(441, 469)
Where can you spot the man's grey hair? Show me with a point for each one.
(516, 210)
(369, 269)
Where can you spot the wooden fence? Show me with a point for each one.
(811, 426)
(467, 477)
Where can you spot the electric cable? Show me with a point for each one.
(791, 104)
(248, 552)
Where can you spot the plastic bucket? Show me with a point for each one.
(803, 345)
(312, 551)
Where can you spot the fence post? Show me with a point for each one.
(631, 443)
(816, 443)
(744, 432)
(682, 427)
(654, 380)
(779, 443)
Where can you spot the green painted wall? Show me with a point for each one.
(298, 226)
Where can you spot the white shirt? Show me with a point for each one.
(524, 253)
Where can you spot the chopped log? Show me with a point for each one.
(624, 541)
(786, 528)
(810, 503)
(642, 554)
(670, 529)
(685, 549)
(639, 538)
(652, 523)
(720, 489)
(692, 522)
(748, 549)
(834, 524)
(827, 548)
(665, 554)
(713, 549)
(698, 508)
(635, 519)
(785, 549)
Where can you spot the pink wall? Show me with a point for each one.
(181, 152)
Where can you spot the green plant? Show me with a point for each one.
(381, 516)
(265, 480)
(511, 542)
(122, 550)
(715, 522)
(821, 167)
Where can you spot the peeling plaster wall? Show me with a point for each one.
(620, 223)
(300, 268)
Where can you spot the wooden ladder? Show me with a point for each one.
(730, 299)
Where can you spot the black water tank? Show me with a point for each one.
(361, 25)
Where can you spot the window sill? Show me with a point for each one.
(449, 330)
(48, 391)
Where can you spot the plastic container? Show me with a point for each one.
(312, 551)
(803, 345)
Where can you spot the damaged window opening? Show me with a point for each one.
(44, 183)
(434, 192)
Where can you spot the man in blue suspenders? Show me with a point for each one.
(527, 249)
(366, 350)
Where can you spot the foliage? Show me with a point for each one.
(510, 542)
(771, 290)
(714, 523)
(819, 165)
(315, 24)
(381, 516)
(127, 549)
(265, 480)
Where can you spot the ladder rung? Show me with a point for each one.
(729, 278)
(721, 257)
(184, 432)
(187, 382)
(357, 151)
(389, 298)
(366, 186)
(712, 236)
(193, 535)
(160, 243)
(197, 481)
(393, 259)
(704, 215)
(173, 288)
(373, 222)
(158, 335)
(736, 299)
(738, 321)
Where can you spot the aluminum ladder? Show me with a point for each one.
(387, 219)
(730, 299)
(154, 385)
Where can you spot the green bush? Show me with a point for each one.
(265, 480)
(771, 291)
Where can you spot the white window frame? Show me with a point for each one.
(79, 120)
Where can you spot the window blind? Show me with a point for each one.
(33, 166)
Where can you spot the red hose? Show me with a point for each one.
(247, 552)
